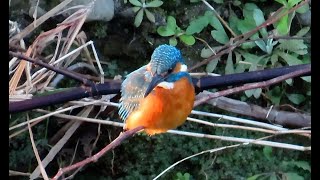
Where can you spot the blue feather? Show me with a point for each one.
(176, 76)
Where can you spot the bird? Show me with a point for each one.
(159, 95)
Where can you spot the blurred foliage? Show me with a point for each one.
(144, 157)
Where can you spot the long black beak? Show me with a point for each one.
(154, 82)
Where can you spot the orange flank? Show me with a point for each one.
(163, 109)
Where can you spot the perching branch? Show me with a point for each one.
(113, 87)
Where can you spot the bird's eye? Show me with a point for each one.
(170, 70)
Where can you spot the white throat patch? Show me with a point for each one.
(183, 68)
(166, 85)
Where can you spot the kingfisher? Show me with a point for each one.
(158, 96)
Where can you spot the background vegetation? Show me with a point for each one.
(124, 44)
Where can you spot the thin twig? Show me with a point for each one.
(220, 18)
(64, 72)
(42, 170)
(303, 132)
(252, 86)
(242, 140)
(17, 173)
(199, 135)
(123, 136)
(39, 21)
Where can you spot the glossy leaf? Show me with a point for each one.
(197, 25)
(138, 18)
(292, 3)
(229, 69)
(296, 98)
(292, 176)
(135, 2)
(187, 39)
(150, 16)
(303, 9)
(303, 31)
(220, 36)
(173, 41)
(211, 66)
(136, 9)
(290, 59)
(155, 3)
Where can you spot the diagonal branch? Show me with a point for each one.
(52, 68)
(123, 136)
(252, 86)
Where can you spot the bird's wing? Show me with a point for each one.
(133, 89)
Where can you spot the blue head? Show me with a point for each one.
(164, 58)
(163, 61)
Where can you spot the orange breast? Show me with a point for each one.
(164, 109)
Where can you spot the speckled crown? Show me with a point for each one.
(165, 57)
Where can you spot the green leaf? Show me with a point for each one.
(206, 52)
(289, 82)
(292, 3)
(245, 26)
(150, 16)
(303, 9)
(233, 22)
(219, 1)
(164, 31)
(282, 25)
(136, 9)
(273, 176)
(262, 45)
(248, 11)
(283, 2)
(303, 31)
(302, 164)
(240, 68)
(274, 58)
(213, 20)
(259, 19)
(171, 22)
(138, 18)
(267, 151)
(255, 177)
(296, 98)
(289, 59)
(236, 2)
(307, 78)
(293, 45)
(169, 29)
(155, 3)
(292, 176)
(211, 66)
(220, 36)
(249, 93)
(135, 2)
(275, 95)
(229, 69)
(187, 39)
(257, 92)
(197, 25)
(173, 41)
